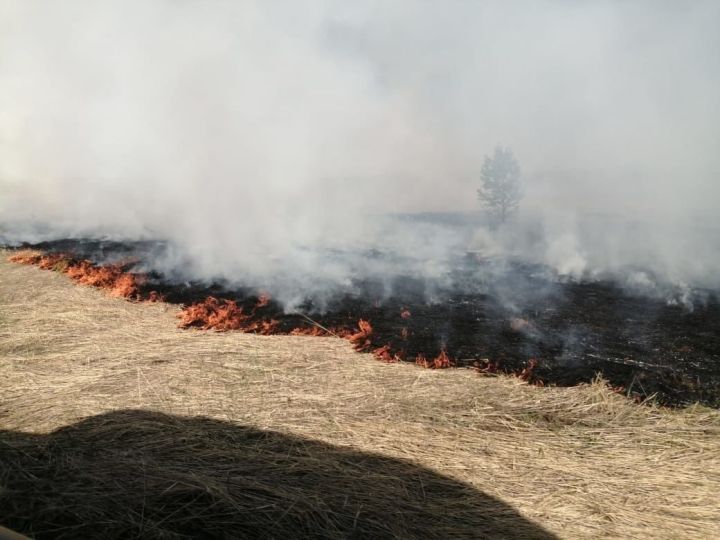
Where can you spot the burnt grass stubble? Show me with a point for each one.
(501, 321)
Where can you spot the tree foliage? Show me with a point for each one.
(500, 191)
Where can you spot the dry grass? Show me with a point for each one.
(580, 462)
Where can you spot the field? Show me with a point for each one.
(113, 421)
(494, 314)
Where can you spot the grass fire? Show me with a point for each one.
(164, 431)
(112, 278)
(471, 331)
(212, 313)
(657, 370)
(339, 270)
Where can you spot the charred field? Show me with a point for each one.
(489, 315)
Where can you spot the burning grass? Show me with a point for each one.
(114, 423)
(224, 315)
(115, 279)
(665, 353)
(440, 361)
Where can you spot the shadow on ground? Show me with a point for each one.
(135, 473)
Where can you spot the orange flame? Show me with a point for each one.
(154, 296)
(111, 278)
(45, 261)
(385, 354)
(308, 331)
(213, 313)
(441, 361)
(222, 315)
(25, 256)
(361, 339)
(266, 327)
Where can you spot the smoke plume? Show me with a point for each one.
(275, 143)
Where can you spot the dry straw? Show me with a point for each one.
(114, 420)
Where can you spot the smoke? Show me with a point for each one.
(261, 138)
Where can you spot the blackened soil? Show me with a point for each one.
(503, 315)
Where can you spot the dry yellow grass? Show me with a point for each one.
(581, 462)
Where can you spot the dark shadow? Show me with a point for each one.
(140, 474)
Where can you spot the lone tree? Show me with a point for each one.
(500, 191)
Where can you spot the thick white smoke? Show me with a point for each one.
(258, 135)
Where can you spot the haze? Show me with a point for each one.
(254, 135)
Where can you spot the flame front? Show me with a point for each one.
(224, 315)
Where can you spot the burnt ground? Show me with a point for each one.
(501, 316)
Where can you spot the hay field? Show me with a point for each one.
(100, 430)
